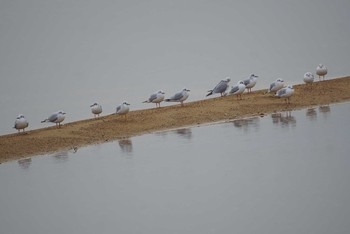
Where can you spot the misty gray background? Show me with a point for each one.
(68, 54)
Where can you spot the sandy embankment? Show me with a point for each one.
(111, 127)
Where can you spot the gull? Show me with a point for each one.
(321, 71)
(221, 87)
(20, 123)
(276, 85)
(251, 82)
(180, 96)
(96, 109)
(156, 98)
(286, 93)
(56, 118)
(123, 109)
(308, 78)
(238, 89)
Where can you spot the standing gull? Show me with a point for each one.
(180, 96)
(56, 118)
(238, 89)
(321, 71)
(286, 93)
(250, 83)
(123, 109)
(20, 123)
(96, 109)
(308, 78)
(276, 85)
(156, 98)
(221, 87)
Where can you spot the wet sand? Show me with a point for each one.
(111, 127)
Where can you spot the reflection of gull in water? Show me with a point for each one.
(161, 133)
(61, 156)
(325, 110)
(288, 119)
(276, 117)
(184, 132)
(311, 113)
(24, 163)
(246, 123)
(125, 145)
(284, 119)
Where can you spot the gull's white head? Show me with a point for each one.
(309, 74)
(161, 92)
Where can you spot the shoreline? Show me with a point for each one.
(112, 127)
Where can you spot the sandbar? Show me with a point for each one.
(112, 127)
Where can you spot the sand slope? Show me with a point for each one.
(107, 128)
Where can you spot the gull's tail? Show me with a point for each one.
(210, 93)
(44, 121)
(145, 101)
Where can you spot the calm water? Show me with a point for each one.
(283, 173)
(68, 54)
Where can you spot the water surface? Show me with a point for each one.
(283, 173)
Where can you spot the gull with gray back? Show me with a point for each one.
(96, 109)
(123, 109)
(180, 96)
(156, 98)
(20, 123)
(286, 93)
(238, 89)
(56, 118)
(250, 82)
(221, 87)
